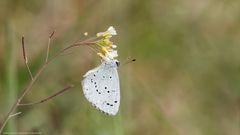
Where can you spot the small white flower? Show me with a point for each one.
(111, 54)
(114, 46)
(112, 30)
(106, 46)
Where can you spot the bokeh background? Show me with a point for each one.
(186, 80)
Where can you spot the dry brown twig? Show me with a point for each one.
(11, 113)
(25, 57)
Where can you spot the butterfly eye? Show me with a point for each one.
(117, 63)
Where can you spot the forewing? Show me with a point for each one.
(101, 88)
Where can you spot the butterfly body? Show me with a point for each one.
(101, 87)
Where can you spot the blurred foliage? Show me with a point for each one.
(186, 80)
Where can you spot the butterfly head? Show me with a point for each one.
(112, 63)
(117, 63)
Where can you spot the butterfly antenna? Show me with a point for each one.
(128, 60)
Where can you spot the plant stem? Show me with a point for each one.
(48, 98)
(48, 45)
(18, 101)
(26, 58)
(35, 77)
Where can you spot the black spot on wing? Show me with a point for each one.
(109, 104)
(104, 112)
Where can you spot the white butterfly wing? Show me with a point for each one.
(101, 88)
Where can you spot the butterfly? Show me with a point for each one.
(101, 87)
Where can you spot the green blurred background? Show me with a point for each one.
(186, 80)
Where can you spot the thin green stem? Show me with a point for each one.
(48, 45)
(11, 68)
(29, 71)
